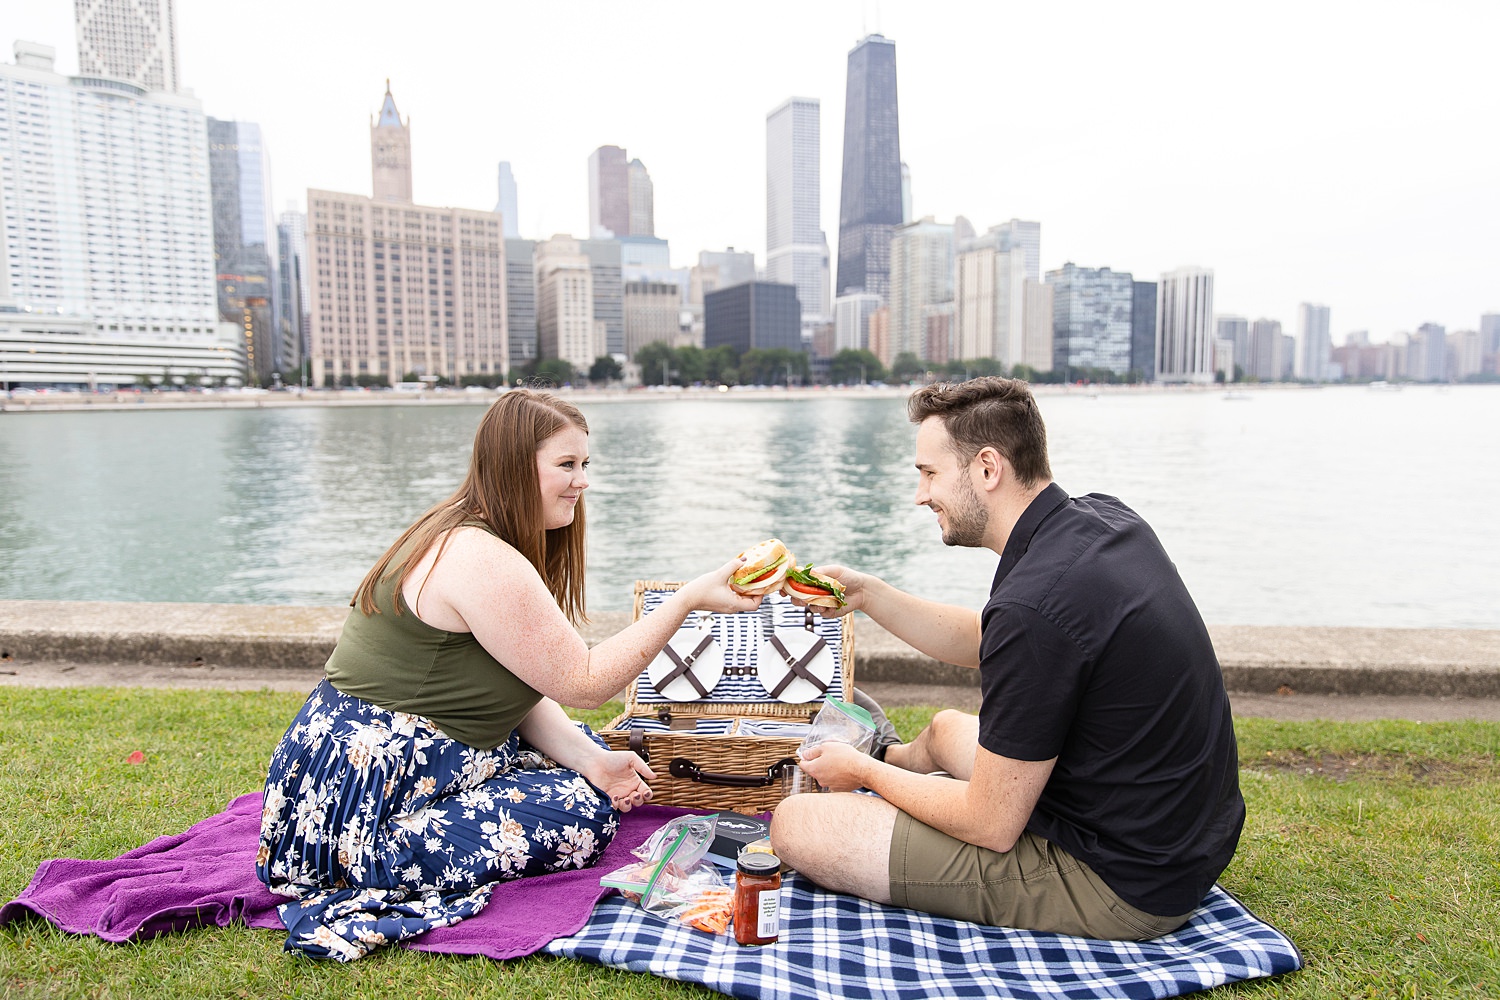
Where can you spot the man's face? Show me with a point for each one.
(944, 487)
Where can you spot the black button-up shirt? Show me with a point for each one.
(1092, 652)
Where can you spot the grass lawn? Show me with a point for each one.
(1376, 846)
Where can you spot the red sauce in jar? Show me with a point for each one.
(757, 899)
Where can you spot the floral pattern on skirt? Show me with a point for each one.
(382, 827)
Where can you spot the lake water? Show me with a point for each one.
(1338, 506)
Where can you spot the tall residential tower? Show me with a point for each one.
(796, 249)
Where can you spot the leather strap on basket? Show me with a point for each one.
(637, 744)
(796, 667)
(684, 667)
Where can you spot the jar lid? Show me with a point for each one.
(759, 863)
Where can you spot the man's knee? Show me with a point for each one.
(790, 824)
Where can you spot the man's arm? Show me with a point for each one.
(990, 810)
(943, 631)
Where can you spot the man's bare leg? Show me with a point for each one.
(840, 840)
(948, 744)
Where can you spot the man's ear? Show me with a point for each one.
(991, 467)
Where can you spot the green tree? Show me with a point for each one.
(850, 367)
(774, 366)
(907, 367)
(656, 360)
(692, 364)
(554, 371)
(606, 369)
(721, 365)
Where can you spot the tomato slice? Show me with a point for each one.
(761, 575)
(808, 588)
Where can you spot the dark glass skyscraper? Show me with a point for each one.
(870, 203)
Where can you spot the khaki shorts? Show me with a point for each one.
(1036, 886)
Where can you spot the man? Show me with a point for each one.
(1097, 791)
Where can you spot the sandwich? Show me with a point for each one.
(764, 570)
(813, 588)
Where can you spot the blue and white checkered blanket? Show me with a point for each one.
(835, 945)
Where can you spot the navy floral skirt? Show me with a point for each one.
(382, 827)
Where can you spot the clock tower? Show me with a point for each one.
(390, 153)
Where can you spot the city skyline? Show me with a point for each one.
(1372, 156)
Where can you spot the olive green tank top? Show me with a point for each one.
(402, 664)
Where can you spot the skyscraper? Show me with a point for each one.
(1434, 357)
(291, 265)
(609, 193)
(106, 218)
(1185, 326)
(1316, 344)
(509, 203)
(390, 152)
(131, 40)
(565, 320)
(1266, 362)
(520, 301)
(870, 199)
(1143, 329)
(642, 201)
(1091, 318)
(1235, 329)
(990, 290)
(245, 254)
(921, 276)
(796, 249)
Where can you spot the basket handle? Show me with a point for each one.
(681, 767)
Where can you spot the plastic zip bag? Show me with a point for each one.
(840, 722)
(672, 880)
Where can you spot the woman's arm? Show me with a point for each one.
(620, 774)
(485, 586)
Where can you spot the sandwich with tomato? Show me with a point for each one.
(813, 588)
(764, 570)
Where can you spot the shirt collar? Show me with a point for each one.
(1040, 508)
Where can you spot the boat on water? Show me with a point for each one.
(1381, 385)
(1235, 394)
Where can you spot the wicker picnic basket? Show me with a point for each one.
(701, 756)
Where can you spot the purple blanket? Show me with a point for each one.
(206, 876)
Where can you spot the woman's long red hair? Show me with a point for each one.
(502, 490)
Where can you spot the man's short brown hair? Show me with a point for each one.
(993, 412)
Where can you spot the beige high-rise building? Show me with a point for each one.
(990, 297)
(565, 324)
(921, 275)
(390, 152)
(132, 40)
(653, 311)
(401, 289)
(1036, 348)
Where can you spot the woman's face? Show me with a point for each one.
(562, 464)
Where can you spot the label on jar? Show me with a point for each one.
(768, 915)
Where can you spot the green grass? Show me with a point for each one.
(1376, 846)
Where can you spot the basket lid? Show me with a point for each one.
(742, 640)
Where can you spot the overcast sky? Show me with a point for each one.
(1334, 152)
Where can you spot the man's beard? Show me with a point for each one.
(967, 518)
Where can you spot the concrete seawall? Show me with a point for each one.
(41, 639)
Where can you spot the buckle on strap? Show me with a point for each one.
(684, 666)
(797, 667)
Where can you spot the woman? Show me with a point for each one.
(413, 779)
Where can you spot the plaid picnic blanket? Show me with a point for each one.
(836, 945)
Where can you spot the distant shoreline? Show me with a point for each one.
(59, 402)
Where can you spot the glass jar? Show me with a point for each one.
(757, 899)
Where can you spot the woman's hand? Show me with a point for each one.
(711, 591)
(621, 775)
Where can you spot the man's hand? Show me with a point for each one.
(837, 766)
(854, 590)
(622, 776)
